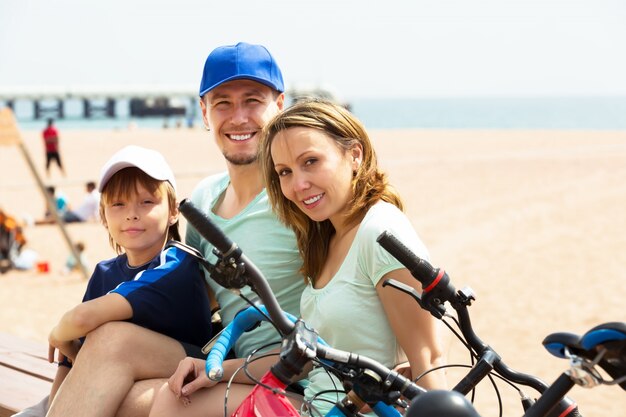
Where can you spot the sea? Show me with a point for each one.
(570, 113)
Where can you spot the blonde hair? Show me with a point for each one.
(124, 183)
(369, 184)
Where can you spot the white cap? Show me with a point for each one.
(149, 161)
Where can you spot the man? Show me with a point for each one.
(241, 89)
(51, 143)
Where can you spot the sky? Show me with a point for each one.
(357, 48)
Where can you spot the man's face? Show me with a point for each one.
(236, 111)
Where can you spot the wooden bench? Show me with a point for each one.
(25, 374)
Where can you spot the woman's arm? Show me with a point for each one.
(415, 329)
(86, 317)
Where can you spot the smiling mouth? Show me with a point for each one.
(240, 137)
(313, 199)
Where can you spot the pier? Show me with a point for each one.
(101, 102)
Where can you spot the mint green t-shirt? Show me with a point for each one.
(266, 242)
(347, 312)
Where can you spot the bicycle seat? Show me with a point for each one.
(612, 337)
(556, 343)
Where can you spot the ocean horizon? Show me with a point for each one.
(569, 113)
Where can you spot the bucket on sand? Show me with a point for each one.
(43, 267)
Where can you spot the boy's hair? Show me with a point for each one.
(124, 183)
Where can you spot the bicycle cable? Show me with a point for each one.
(249, 359)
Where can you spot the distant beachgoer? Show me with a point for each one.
(71, 264)
(88, 209)
(51, 142)
(11, 241)
(60, 205)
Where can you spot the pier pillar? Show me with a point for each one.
(91, 109)
(110, 108)
(86, 109)
(61, 109)
(55, 110)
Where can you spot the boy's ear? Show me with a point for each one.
(174, 216)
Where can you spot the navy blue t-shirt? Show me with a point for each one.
(167, 295)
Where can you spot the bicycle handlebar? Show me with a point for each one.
(248, 318)
(233, 258)
(437, 290)
(243, 321)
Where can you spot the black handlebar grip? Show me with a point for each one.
(206, 227)
(574, 413)
(419, 268)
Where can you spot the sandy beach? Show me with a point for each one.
(533, 221)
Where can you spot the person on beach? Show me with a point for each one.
(88, 209)
(12, 240)
(241, 89)
(73, 264)
(323, 181)
(154, 283)
(50, 137)
(60, 205)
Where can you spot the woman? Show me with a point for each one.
(323, 181)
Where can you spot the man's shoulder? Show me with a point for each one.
(209, 188)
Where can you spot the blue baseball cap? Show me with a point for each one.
(241, 61)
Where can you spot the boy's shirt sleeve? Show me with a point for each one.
(169, 297)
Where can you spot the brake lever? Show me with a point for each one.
(437, 310)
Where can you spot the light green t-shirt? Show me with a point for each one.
(347, 312)
(266, 242)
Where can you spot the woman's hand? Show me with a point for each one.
(404, 369)
(188, 378)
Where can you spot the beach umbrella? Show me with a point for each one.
(10, 136)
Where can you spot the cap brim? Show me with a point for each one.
(243, 77)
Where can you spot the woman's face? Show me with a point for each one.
(314, 172)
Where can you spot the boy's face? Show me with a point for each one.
(236, 111)
(139, 223)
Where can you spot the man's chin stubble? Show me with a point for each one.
(241, 160)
